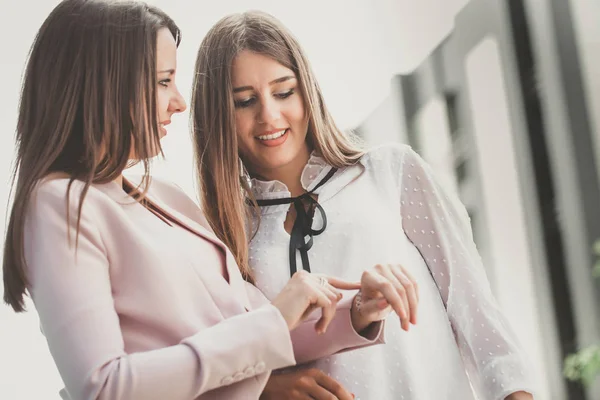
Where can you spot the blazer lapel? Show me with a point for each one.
(236, 283)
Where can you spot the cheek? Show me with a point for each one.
(244, 123)
(295, 114)
(162, 101)
(244, 128)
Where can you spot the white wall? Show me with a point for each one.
(435, 140)
(26, 369)
(355, 47)
(385, 124)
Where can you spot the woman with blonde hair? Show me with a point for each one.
(137, 297)
(316, 200)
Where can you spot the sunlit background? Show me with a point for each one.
(502, 97)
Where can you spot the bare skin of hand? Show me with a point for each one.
(386, 288)
(305, 384)
(306, 292)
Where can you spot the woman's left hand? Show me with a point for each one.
(384, 288)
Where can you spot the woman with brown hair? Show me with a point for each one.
(137, 298)
(318, 201)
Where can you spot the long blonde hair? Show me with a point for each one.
(213, 120)
(88, 99)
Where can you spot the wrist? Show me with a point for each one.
(360, 322)
(286, 318)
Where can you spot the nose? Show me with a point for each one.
(269, 112)
(177, 103)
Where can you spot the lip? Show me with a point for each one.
(275, 142)
(162, 128)
(271, 132)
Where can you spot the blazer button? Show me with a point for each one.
(260, 367)
(249, 372)
(227, 381)
(238, 377)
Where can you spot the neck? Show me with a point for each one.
(289, 174)
(119, 180)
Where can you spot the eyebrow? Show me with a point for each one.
(170, 71)
(278, 80)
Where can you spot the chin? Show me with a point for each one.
(281, 159)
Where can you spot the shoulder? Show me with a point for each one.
(387, 153)
(388, 157)
(56, 188)
(55, 212)
(59, 193)
(56, 209)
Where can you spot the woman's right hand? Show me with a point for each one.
(304, 384)
(306, 292)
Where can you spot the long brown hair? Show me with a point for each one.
(213, 120)
(88, 100)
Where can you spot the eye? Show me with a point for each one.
(285, 95)
(245, 103)
(164, 82)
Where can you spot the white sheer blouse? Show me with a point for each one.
(390, 209)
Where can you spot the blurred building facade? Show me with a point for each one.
(506, 110)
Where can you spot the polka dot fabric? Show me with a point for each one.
(390, 209)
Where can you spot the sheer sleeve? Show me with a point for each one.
(436, 222)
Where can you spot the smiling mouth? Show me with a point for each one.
(272, 136)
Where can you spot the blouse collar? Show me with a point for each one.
(315, 169)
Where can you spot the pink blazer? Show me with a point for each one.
(142, 309)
